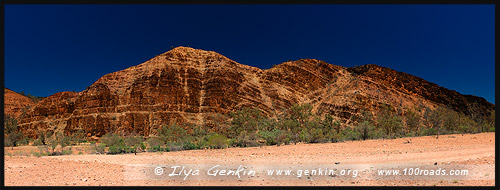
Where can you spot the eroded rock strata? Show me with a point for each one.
(187, 85)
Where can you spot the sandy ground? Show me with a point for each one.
(474, 152)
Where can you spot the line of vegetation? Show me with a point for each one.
(35, 99)
(250, 127)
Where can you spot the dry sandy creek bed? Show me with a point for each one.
(426, 156)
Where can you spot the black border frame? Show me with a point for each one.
(76, 2)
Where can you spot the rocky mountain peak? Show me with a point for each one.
(192, 86)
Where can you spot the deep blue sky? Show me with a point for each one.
(54, 48)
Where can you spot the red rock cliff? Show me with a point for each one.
(187, 85)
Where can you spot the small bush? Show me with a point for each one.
(245, 139)
(101, 148)
(349, 134)
(154, 144)
(111, 139)
(59, 139)
(217, 141)
(37, 142)
(115, 143)
(8, 143)
(36, 154)
(135, 143)
(283, 138)
(11, 134)
(174, 146)
(67, 152)
(411, 134)
(173, 133)
(190, 146)
(365, 130)
(428, 131)
(24, 141)
(271, 137)
(491, 129)
(117, 149)
(305, 135)
(159, 149)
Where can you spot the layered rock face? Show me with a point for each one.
(191, 86)
(415, 86)
(14, 103)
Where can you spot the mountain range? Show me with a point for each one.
(193, 86)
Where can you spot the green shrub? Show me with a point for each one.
(245, 139)
(304, 135)
(316, 134)
(188, 145)
(11, 134)
(78, 137)
(244, 126)
(24, 141)
(330, 128)
(217, 141)
(158, 149)
(67, 152)
(39, 154)
(175, 146)
(111, 139)
(411, 134)
(154, 144)
(133, 141)
(135, 144)
(390, 122)
(143, 146)
(412, 120)
(349, 134)
(37, 142)
(101, 148)
(59, 139)
(271, 137)
(64, 140)
(292, 126)
(284, 138)
(116, 144)
(365, 130)
(43, 136)
(428, 131)
(246, 119)
(118, 148)
(298, 118)
(36, 154)
(8, 143)
(173, 133)
(53, 144)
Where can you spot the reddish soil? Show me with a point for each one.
(475, 152)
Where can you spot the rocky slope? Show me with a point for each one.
(14, 103)
(187, 85)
